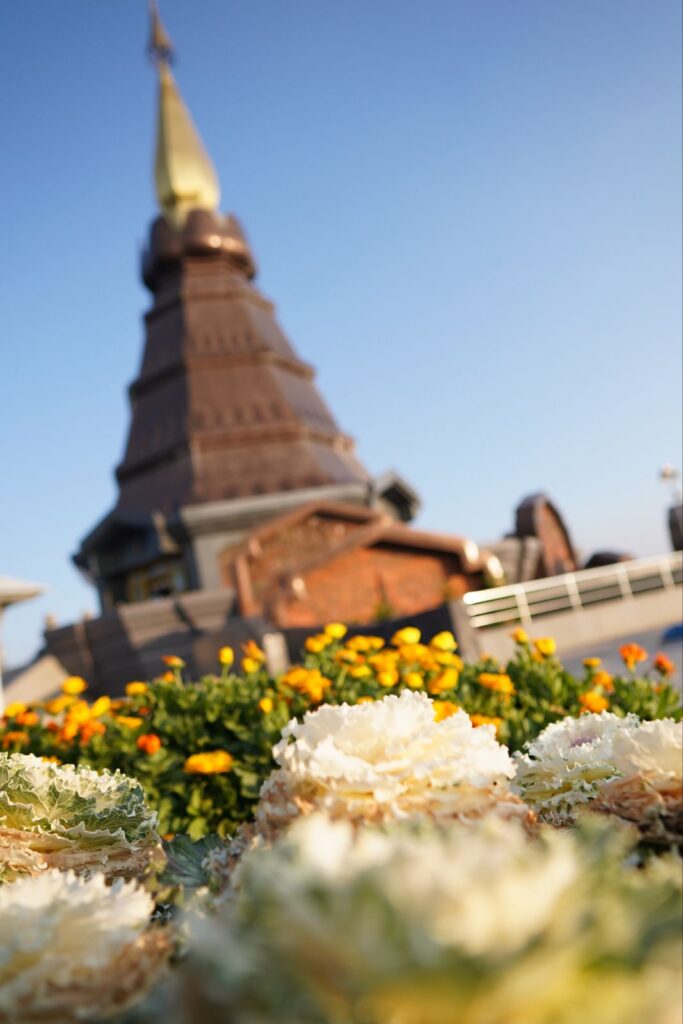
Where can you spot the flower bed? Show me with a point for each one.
(201, 751)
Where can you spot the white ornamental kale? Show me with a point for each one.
(66, 816)
(577, 760)
(384, 759)
(421, 923)
(71, 947)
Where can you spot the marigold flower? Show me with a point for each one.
(27, 718)
(444, 709)
(213, 762)
(664, 665)
(407, 635)
(73, 686)
(173, 661)
(365, 700)
(90, 729)
(266, 705)
(250, 665)
(252, 650)
(632, 654)
(148, 743)
(520, 636)
(69, 731)
(79, 712)
(546, 646)
(359, 672)
(167, 677)
(365, 643)
(594, 702)
(388, 677)
(592, 662)
(101, 706)
(226, 656)
(478, 720)
(603, 679)
(59, 704)
(14, 709)
(337, 630)
(498, 681)
(316, 644)
(446, 680)
(415, 680)
(412, 652)
(444, 641)
(449, 659)
(129, 721)
(136, 689)
(347, 657)
(14, 736)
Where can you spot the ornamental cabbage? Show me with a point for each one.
(620, 766)
(71, 817)
(74, 948)
(423, 924)
(384, 760)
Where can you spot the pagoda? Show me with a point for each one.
(228, 429)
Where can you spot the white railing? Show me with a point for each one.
(524, 603)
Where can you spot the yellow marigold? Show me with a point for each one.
(79, 712)
(520, 636)
(51, 758)
(14, 709)
(385, 661)
(444, 709)
(498, 681)
(346, 657)
(478, 720)
(388, 677)
(213, 762)
(129, 721)
(444, 641)
(359, 672)
(252, 650)
(446, 680)
(316, 644)
(413, 652)
(27, 718)
(14, 736)
(415, 680)
(449, 660)
(632, 654)
(365, 700)
(337, 630)
(74, 685)
(167, 677)
(592, 662)
(59, 704)
(603, 679)
(136, 689)
(69, 731)
(592, 701)
(407, 635)
(101, 706)
(250, 665)
(173, 661)
(266, 705)
(365, 643)
(545, 645)
(226, 656)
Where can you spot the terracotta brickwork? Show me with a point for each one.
(355, 586)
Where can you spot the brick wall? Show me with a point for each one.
(354, 586)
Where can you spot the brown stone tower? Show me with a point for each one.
(227, 426)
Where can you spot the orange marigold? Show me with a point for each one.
(498, 681)
(594, 702)
(632, 654)
(148, 743)
(444, 709)
(662, 664)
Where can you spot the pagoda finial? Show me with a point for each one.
(160, 47)
(184, 175)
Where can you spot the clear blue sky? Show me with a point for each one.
(468, 213)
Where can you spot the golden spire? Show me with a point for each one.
(184, 176)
